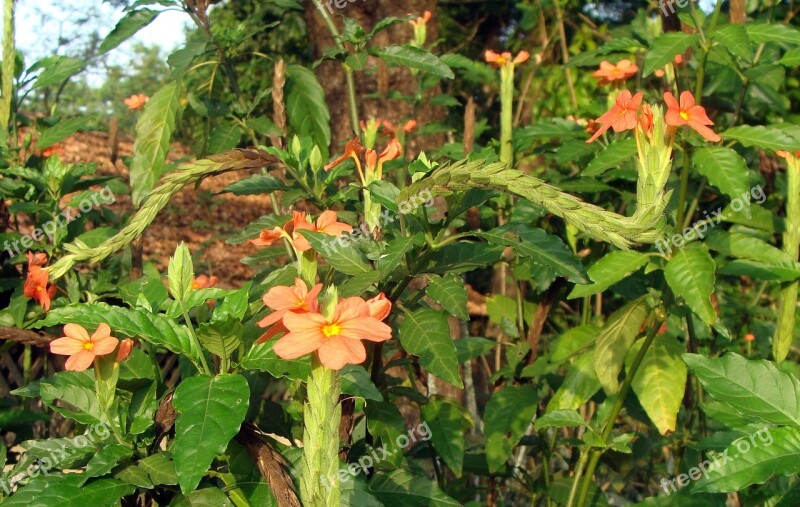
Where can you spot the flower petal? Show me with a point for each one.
(336, 352)
(77, 332)
(80, 361)
(66, 346)
(105, 345)
(297, 344)
(365, 328)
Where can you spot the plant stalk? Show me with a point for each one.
(791, 245)
(9, 62)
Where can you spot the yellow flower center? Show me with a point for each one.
(88, 345)
(684, 115)
(331, 330)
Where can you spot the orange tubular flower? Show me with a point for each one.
(749, 337)
(204, 282)
(687, 113)
(621, 116)
(646, 119)
(125, 347)
(38, 259)
(36, 286)
(326, 223)
(83, 348)
(352, 149)
(422, 20)
(609, 72)
(379, 306)
(504, 58)
(136, 102)
(296, 299)
(786, 154)
(337, 340)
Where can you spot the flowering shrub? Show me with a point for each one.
(508, 293)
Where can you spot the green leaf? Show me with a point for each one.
(76, 394)
(68, 491)
(613, 342)
(345, 259)
(725, 169)
(448, 423)
(156, 329)
(471, 347)
(610, 269)
(507, 416)
(224, 138)
(791, 58)
(660, 381)
(57, 69)
(414, 58)
(559, 419)
(463, 257)
(761, 271)
(261, 357)
(180, 273)
(384, 421)
(221, 338)
(306, 107)
(540, 248)
(742, 246)
(160, 468)
(665, 48)
(399, 488)
(470, 70)
(613, 155)
(153, 132)
(392, 255)
(750, 460)
(734, 38)
(425, 333)
(210, 411)
(205, 497)
(690, 274)
(258, 184)
(62, 130)
(546, 130)
(764, 32)
(756, 389)
(105, 460)
(356, 382)
(451, 293)
(132, 22)
(763, 137)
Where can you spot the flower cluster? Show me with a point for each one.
(37, 285)
(624, 115)
(335, 337)
(83, 349)
(136, 102)
(609, 73)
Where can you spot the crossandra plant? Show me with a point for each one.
(596, 366)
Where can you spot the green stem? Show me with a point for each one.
(7, 89)
(615, 410)
(348, 72)
(319, 483)
(684, 188)
(507, 114)
(791, 245)
(196, 342)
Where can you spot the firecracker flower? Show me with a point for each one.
(81, 348)
(37, 286)
(337, 339)
(204, 282)
(327, 223)
(504, 58)
(136, 102)
(296, 299)
(688, 113)
(622, 115)
(609, 72)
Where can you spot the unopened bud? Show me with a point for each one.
(125, 347)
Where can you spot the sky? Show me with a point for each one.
(40, 24)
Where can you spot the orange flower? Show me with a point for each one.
(296, 299)
(646, 119)
(36, 286)
(786, 154)
(352, 149)
(136, 101)
(125, 347)
(422, 20)
(204, 282)
(56, 149)
(408, 127)
(379, 306)
(268, 236)
(83, 348)
(621, 116)
(687, 113)
(504, 58)
(326, 223)
(609, 72)
(38, 259)
(337, 340)
(749, 337)
(393, 150)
